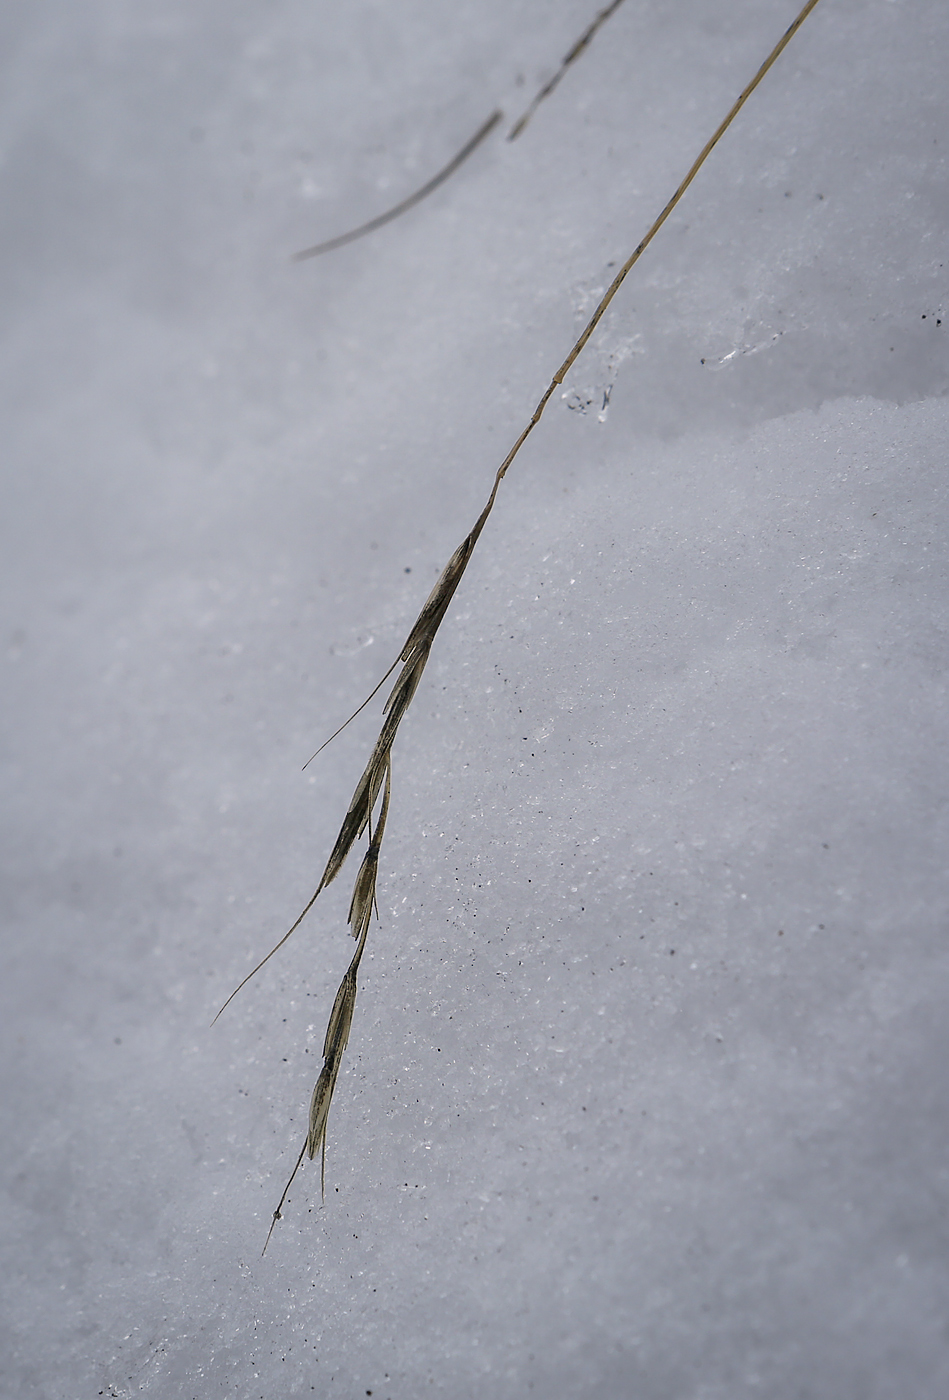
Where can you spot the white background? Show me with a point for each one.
(646, 1091)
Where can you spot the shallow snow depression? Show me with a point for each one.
(646, 1089)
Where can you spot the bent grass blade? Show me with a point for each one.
(410, 202)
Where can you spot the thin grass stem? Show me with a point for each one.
(638, 251)
(571, 57)
(410, 202)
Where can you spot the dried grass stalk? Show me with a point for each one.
(376, 778)
(570, 58)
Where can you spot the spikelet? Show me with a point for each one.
(341, 1017)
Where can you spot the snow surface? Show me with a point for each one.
(647, 1089)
